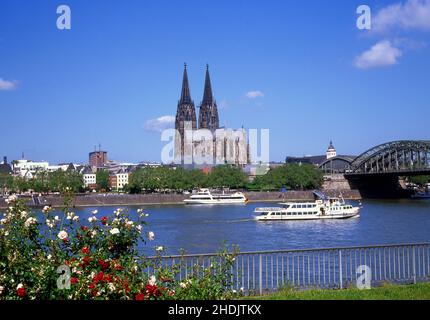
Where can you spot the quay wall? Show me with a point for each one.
(95, 200)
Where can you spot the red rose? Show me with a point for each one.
(98, 277)
(139, 296)
(104, 220)
(84, 228)
(86, 261)
(118, 267)
(73, 280)
(103, 264)
(153, 290)
(107, 278)
(21, 292)
(85, 250)
(91, 286)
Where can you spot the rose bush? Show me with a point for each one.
(53, 257)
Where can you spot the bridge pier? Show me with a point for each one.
(379, 186)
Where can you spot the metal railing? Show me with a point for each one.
(266, 271)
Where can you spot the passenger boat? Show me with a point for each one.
(422, 195)
(204, 196)
(322, 208)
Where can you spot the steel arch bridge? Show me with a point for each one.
(406, 157)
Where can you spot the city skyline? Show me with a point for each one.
(116, 81)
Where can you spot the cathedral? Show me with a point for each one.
(205, 143)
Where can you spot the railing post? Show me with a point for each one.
(260, 273)
(414, 273)
(340, 270)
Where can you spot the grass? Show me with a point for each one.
(420, 291)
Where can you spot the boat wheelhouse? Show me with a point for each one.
(204, 196)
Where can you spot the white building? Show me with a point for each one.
(331, 151)
(89, 177)
(27, 168)
(121, 180)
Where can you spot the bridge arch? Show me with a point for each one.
(395, 156)
(337, 164)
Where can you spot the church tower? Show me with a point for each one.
(331, 151)
(208, 114)
(185, 119)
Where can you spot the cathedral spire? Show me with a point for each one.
(207, 94)
(185, 93)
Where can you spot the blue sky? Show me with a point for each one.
(300, 68)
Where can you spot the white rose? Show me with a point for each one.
(19, 286)
(111, 287)
(76, 218)
(57, 218)
(159, 248)
(1, 289)
(114, 231)
(92, 219)
(3, 221)
(62, 235)
(11, 198)
(152, 281)
(94, 211)
(29, 222)
(151, 235)
(183, 285)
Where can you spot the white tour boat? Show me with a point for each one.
(204, 196)
(323, 208)
(422, 195)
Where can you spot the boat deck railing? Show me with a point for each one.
(267, 271)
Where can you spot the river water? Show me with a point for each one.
(204, 229)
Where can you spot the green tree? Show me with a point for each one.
(227, 176)
(102, 180)
(291, 176)
(420, 180)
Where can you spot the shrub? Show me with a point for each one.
(51, 257)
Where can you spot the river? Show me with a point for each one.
(204, 229)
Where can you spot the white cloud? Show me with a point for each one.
(412, 14)
(254, 94)
(381, 54)
(159, 124)
(8, 85)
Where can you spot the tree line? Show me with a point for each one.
(167, 179)
(289, 176)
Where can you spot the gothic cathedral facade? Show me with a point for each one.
(205, 143)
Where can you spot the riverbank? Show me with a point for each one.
(420, 291)
(112, 199)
